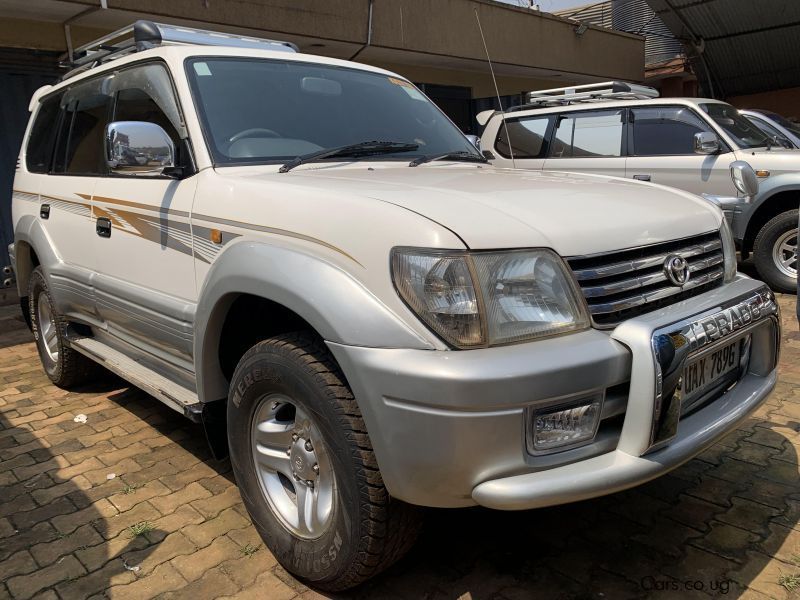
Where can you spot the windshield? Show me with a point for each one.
(743, 131)
(262, 111)
(782, 121)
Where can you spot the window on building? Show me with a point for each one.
(528, 137)
(588, 134)
(39, 151)
(665, 130)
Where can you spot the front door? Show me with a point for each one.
(145, 286)
(661, 150)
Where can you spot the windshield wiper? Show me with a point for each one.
(458, 155)
(360, 149)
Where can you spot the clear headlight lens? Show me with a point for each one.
(489, 298)
(728, 250)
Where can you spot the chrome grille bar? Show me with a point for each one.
(621, 285)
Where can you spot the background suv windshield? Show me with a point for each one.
(256, 110)
(743, 132)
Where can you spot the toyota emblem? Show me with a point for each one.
(676, 269)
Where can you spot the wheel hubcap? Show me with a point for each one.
(784, 253)
(293, 466)
(47, 327)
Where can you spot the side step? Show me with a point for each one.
(170, 393)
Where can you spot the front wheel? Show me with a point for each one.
(306, 469)
(775, 252)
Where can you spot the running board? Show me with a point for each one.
(170, 393)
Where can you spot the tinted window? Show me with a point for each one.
(43, 133)
(528, 138)
(258, 110)
(79, 149)
(665, 130)
(592, 134)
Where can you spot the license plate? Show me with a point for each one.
(703, 373)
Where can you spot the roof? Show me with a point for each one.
(606, 104)
(740, 46)
(179, 53)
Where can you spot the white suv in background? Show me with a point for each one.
(625, 130)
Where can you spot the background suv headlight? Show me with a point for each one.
(728, 250)
(479, 299)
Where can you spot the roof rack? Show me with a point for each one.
(143, 35)
(593, 92)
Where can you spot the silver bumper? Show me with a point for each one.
(449, 428)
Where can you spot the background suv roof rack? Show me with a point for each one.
(143, 35)
(593, 92)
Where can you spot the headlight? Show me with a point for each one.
(478, 299)
(728, 250)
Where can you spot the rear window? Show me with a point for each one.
(39, 151)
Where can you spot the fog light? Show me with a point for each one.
(565, 426)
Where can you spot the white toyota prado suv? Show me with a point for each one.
(308, 258)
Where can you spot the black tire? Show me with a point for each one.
(763, 247)
(70, 368)
(368, 530)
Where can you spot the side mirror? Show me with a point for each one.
(744, 178)
(476, 141)
(138, 148)
(706, 142)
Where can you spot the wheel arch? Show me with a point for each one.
(780, 201)
(273, 289)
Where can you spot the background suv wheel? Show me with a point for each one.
(775, 252)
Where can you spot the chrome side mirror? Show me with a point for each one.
(138, 148)
(744, 178)
(476, 141)
(706, 142)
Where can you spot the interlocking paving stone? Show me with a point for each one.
(730, 517)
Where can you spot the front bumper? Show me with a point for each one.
(449, 428)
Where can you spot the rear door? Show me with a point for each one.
(588, 142)
(661, 150)
(66, 195)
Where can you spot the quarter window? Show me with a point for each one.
(43, 133)
(590, 134)
(665, 130)
(528, 138)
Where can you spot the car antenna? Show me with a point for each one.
(496, 89)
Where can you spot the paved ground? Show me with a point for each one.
(727, 523)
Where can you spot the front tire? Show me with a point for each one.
(64, 366)
(775, 252)
(306, 469)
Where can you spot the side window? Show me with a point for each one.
(588, 134)
(145, 93)
(39, 150)
(79, 145)
(665, 130)
(528, 137)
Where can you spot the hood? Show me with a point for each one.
(777, 160)
(488, 208)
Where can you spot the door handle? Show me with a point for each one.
(44, 211)
(103, 227)
(642, 177)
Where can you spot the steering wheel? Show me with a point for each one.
(252, 133)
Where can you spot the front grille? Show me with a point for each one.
(622, 285)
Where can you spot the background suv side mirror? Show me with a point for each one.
(138, 148)
(706, 142)
(476, 141)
